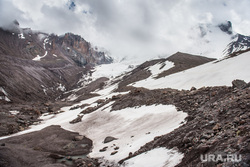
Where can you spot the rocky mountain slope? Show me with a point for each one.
(37, 66)
(164, 112)
(181, 62)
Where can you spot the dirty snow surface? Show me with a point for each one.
(159, 157)
(210, 74)
(133, 127)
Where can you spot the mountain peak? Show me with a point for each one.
(240, 43)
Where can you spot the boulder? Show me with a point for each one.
(113, 153)
(76, 120)
(103, 149)
(240, 84)
(55, 156)
(109, 139)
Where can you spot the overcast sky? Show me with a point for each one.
(140, 28)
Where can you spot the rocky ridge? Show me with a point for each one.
(51, 64)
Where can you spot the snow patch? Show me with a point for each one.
(61, 87)
(63, 118)
(21, 36)
(72, 97)
(38, 58)
(14, 112)
(134, 127)
(44, 90)
(5, 97)
(160, 67)
(4, 92)
(159, 157)
(45, 42)
(114, 71)
(111, 70)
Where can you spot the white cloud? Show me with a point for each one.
(133, 28)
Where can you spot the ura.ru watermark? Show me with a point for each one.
(220, 158)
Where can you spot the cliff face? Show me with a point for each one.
(36, 66)
(79, 50)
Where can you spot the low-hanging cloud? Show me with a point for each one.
(134, 29)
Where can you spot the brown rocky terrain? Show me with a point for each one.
(34, 87)
(183, 61)
(52, 146)
(15, 117)
(217, 122)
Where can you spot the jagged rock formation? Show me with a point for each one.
(239, 43)
(80, 50)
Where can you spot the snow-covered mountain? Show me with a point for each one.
(239, 43)
(215, 41)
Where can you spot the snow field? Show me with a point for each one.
(209, 74)
(133, 127)
(158, 157)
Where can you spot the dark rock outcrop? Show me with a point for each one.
(240, 84)
(109, 139)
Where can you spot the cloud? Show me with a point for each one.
(135, 29)
(8, 13)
